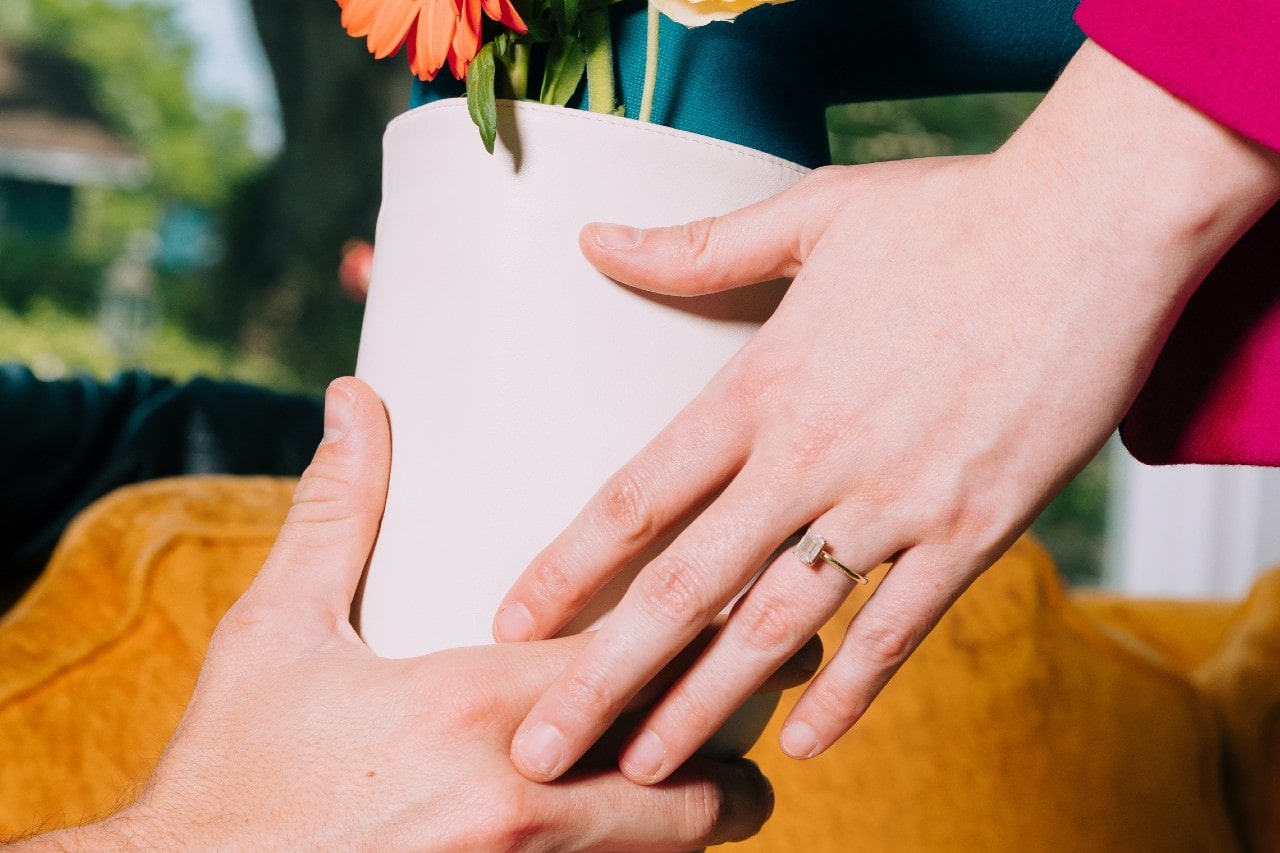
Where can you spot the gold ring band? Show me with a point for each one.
(813, 547)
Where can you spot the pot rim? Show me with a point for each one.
(458, 105)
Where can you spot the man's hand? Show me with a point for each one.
(299, 738)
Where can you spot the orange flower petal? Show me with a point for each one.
(436, 25)
(392, 24)
(411, 48)
(504, 13)
(458, 65)
(466, 39)
(358, 16)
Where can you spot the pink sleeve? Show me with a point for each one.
(1220, 56)
(1214, 393)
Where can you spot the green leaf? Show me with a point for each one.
(566, 14)
(482, 103)
(566, 60)
(540, 30)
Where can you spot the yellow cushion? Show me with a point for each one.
(1184, 633)
(1243, 681)
(98, 659)
(1018, 725)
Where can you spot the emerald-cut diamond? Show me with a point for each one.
(810, 547)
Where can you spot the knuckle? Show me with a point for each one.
(883, 644)
(696, 238)
(591, 691)
(671, 593)
(815, 437)
(958, 507)
(768, 628)
(467, 710)
(626, 508)
(319, 496)
(755, 381)
(515, 826)
(553, 583)
(695, 714)
(834, 699)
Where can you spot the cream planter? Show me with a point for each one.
(517, 378)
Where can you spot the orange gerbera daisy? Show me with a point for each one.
(436, 31)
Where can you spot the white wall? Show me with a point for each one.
(1190, 531)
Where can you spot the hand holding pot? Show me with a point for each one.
(961, 337)
(299, 737)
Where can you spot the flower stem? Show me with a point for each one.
(650, 64)
(599, 45)
(519, 71)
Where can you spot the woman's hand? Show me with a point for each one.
(298, 737)
(961, 337)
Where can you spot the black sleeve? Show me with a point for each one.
(70, 441)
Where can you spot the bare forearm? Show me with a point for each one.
(1168, 189)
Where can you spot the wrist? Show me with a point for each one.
(126, 830)
(1166, 186)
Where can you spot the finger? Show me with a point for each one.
(797, 669)
(764, 241)
(904, 608)
(322, 548)
(670, 601)
(687, 463)
(516, 674)
(786, 606)
(704, 803)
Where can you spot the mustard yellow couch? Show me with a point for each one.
(1030, 720)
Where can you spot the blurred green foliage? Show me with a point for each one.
(138, 61)
(1074, 526)
(926, 127)
(47, 267)
(56, 342)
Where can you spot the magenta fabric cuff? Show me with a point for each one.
(1220, 56)
(1214, 393)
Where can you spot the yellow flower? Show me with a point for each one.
(695, 13)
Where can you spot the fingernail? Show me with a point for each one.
(609, 236)
(339, 411)
(799, 740)
(644, 757)
(540, 749)
(513, 624)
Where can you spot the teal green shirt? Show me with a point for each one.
(766, 79)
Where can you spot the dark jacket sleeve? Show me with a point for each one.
(70, 441)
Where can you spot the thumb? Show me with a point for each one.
(764, 241)
(326, 539)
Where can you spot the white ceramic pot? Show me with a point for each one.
(517, 378)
